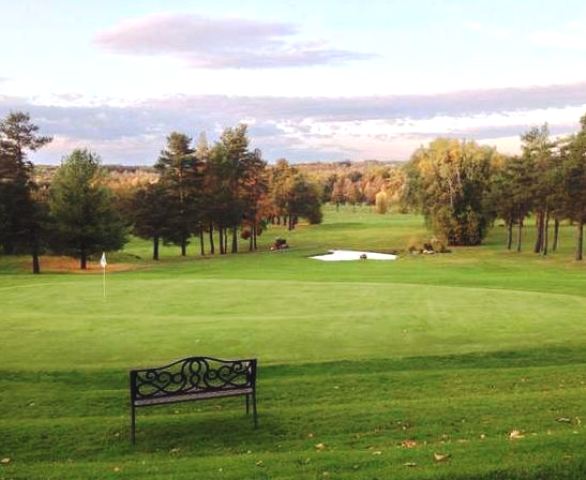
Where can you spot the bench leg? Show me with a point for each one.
(132, 424)
(254, 415)
(247, 404)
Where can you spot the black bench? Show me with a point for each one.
(194, 378)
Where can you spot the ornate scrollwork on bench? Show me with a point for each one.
(193, 378)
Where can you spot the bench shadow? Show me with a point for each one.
(231, 430)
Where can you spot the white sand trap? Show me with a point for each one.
(346, 255)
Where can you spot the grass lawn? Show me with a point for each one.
(381, 364)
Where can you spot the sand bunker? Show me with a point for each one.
(346, 255)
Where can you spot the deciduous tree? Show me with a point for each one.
(449, 182)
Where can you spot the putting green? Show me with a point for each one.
(67, 324)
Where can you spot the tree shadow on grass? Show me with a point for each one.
(536, 357)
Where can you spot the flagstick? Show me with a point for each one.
(104, 264)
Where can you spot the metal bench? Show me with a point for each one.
(193, 378)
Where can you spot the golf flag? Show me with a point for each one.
(103, 264)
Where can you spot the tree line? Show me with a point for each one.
(222, 194)
(462, 187)
(226, 193)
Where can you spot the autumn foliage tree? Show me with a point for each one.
(449, 182)
(381, 204)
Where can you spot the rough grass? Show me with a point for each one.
(451, 352)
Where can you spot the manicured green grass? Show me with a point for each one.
(450, 351)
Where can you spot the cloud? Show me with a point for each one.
(570, 38)
(303, 128)
(391, 107)
(218, 43)
(492, 31)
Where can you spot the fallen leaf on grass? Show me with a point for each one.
(6, 461)
(260, 463)
(116, 469)
(319, 446)
(441, 457)
(515, 434)
(377, 452)
(563, 420)
(410, 464)
(408, 443)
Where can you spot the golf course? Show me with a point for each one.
(464, 365)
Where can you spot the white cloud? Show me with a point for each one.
(492, 31)
(572, 36)
(218, 43)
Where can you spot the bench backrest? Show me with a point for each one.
(191, 376)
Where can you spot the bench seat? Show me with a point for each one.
(201, 395)
(190, 379)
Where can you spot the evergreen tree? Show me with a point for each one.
(181, 175)
(573, 176)
(151, 210)
(538, 152)
(511, 195)
(86, 219)
(22, 213)
(302, 198)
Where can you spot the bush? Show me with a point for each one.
(381, 203)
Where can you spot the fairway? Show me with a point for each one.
(380, 365)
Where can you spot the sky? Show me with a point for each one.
(315, 80)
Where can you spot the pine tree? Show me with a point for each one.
(151, 211)
(87, 221)
(181, 175)
(22, 213)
